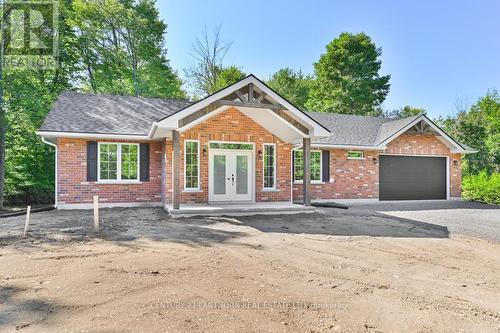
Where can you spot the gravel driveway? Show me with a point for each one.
(460, 217)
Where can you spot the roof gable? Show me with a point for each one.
(233, 96)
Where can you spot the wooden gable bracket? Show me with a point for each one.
(198, 114)
(293, 122)
(421, 128)
(238, 99)
(242, 97)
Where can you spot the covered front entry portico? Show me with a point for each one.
(232, 131)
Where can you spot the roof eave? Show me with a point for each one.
(346, 146)
(87, 135)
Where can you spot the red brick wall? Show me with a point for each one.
(359, 178)
(348, 178)
(232, 125)
(73, 187)
(455, 175)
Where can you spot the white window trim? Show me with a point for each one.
(192, 189)
(320, 181)
(356, 158)
(264, 167)
(119, 179)
(232, 142)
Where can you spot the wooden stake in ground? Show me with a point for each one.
(27, 223)
(96, 213)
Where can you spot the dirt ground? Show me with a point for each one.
(306, 273)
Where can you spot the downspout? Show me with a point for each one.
(55, 181)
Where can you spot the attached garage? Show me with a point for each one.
(412, 178)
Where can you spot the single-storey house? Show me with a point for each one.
(242, 144)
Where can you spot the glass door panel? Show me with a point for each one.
(219, 170)
(241, 174)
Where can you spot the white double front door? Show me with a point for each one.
(231, 175)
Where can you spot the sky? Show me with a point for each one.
(437, 52)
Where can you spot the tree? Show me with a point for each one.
(27, 96)
(123, 48)
(100, 44)
(479, 128)
(208, 74)
(405, 111)
(227, 76)
(347, 77)
(293, 85)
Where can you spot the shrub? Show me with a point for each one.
(482, 188)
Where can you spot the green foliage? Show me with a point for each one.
(122, 48)
(28, 95)
(406, 111)
(225, 77)
(479, 128)
(101, 44)
(482, 188)
(347, 77)
(293, 85)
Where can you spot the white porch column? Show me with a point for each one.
(306, 184)
(176, 170)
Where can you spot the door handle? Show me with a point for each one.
(232, 179)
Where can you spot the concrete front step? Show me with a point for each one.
(243, 209)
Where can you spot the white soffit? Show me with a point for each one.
(274, 124)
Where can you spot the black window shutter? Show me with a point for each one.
(144, 162)
(325, 156)
(293, 166)
(91, 161)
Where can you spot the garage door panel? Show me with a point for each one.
(412, 178)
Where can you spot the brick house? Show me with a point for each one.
(245, 144)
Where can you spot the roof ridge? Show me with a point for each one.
(408, 119)
(349, 115)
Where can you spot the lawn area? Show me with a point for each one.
(308, 272)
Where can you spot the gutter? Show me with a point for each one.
(332, 146)
(44, 140)
(53, 134)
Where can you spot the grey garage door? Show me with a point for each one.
(412, 178)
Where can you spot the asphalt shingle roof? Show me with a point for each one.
(112, 114)
(108, 114)
(350, 129)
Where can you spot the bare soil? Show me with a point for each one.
(304, 273)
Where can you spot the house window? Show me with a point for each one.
(118, 161)
(298, 166)
(354, 154)
(191, 165)
(269, 166)
(239, 146)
